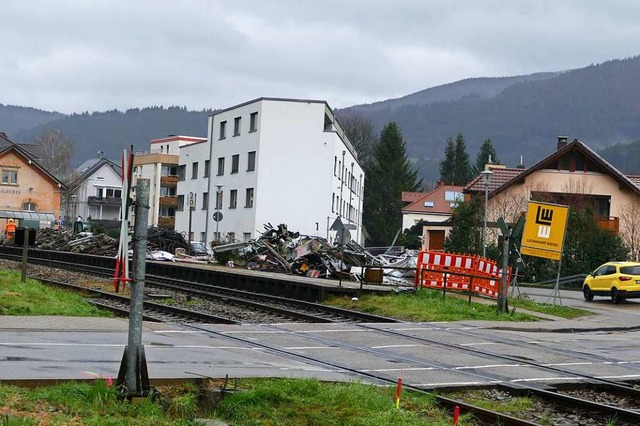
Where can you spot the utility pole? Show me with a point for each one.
(133, 374)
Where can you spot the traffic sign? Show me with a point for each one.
(217, 216)
(544, 229)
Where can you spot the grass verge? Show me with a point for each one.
(555, 310)
(310, 402)
(95, 404)
(34, 298)
(427, 305)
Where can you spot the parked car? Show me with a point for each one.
(617, 280)
(201, 249)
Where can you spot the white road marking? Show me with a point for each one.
(308, 347)
(478, 367)
(479, 344)
(384, 370)
(398, 346)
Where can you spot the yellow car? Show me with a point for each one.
(618, 280)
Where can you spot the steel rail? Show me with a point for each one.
(485, 415)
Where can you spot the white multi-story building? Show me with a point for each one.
(272, 161)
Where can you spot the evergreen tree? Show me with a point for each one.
(387, 175)
(447, 166)
(455, 168)
(462, 169)
(487, 151)
(466, 232)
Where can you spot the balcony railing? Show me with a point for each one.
(104, 201)
(169, 201)
(167, 222)
(611, 224)
(169, 181)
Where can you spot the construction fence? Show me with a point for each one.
(459, 272)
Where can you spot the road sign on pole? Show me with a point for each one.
(544, 229)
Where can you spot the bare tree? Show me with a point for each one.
(56, 150)
(361, 133)
(630, 227)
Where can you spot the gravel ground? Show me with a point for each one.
(544, 412)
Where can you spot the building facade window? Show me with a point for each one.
(333, 202)
(207, 166)
(246, 236)
(220, 166)
(205, 200)
(223, 130)
(194, 170)
(29, 207)
(203, 236)
(236, 126)
(10, 176)
(233, 198)
(251, 161)
(231, 237)
(335, 165)
(219, 197)
(235, 163)
(253, 122)
(249, 198)
(180, 203)
(181, 172)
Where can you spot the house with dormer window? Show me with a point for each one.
(573, 175)
(433, 209)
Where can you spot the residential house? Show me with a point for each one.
(95, 193)
(160, 166)
(274, 161)
(29, 194)
(433, 209)
(573, 175)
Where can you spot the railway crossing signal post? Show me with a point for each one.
(133, 377)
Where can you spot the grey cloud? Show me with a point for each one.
(74, 55)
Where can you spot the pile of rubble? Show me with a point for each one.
(163, 244)
(279, 250)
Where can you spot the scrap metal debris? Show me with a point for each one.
(280, 250)
(163, 244)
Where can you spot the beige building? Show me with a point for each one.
(573, 175)
(160, 166)
(29, 194)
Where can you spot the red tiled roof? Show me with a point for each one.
(440, 205)
(410, 197)
(635, 179)
(503, 178)
(499, 177)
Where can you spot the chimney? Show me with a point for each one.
(562, 142)
(521, 165)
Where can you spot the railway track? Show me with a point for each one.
(236, 306)
(583, 404)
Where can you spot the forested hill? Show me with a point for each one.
(482, 87)
(599, 105)
(112, 131)
(14, 119)
(624, 156)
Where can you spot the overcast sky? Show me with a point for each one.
(84, 55)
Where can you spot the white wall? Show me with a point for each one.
(294, 179)
(195, 152)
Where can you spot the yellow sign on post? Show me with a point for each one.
(544, 229)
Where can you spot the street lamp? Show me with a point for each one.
(486, 176)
